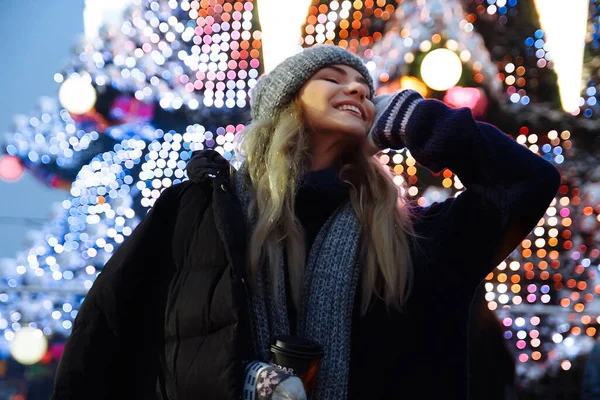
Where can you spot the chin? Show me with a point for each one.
(358, 134)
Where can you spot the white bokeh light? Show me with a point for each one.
(441, 69)
(77, 95)
(28, 345)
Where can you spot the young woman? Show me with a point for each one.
(311, 237)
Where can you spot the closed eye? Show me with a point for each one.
(330, 80)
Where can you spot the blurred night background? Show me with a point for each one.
(104, 101)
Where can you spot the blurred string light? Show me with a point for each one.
(406, 176)
(50, 143)
(514, 72)
(555, 267)
(501, 7)
(191, 53)
(412, 28)
(594, 35)
(198, 53)
(166, 159)
(589, 100)
(591, 94)
(551, 147)
(525, 66)
(536, 261)
(34, 308)
(100, 207)
(565, 28)
(539, 46)
(47, 283)
(281, 36)
(549, 340)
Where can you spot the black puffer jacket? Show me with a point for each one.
(166, 317)
(163, 318)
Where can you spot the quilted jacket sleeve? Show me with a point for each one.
(508, 189)
(113, 350)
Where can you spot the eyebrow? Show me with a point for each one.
(342, 71)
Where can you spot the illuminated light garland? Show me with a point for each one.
(419, 30)
(66, 256)
(197, 54)
(51, 144)
(525, 65)
(107, 199)
(590, 95)
(514, 73)
(554, 271)
(167, 158)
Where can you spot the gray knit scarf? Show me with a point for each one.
(327, 300)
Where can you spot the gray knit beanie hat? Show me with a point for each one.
(280, 86)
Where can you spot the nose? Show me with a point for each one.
(357, 89)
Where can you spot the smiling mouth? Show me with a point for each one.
(353, 110)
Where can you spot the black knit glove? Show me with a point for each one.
(392, 112)
(205, 164)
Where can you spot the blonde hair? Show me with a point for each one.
(277, 153)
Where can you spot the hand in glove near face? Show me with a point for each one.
(392, 112)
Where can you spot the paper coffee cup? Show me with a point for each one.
(299, 356)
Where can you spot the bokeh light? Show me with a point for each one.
(441, 69)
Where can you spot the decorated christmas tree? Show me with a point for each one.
(134, 102)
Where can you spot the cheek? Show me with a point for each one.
(314, 97)
(312, 116)
(315, 109)
(311, 111)
(370, 109)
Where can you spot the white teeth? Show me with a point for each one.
(350, 108)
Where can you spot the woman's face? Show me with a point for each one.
(336, 105)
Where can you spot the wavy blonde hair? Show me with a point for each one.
(276, 153)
